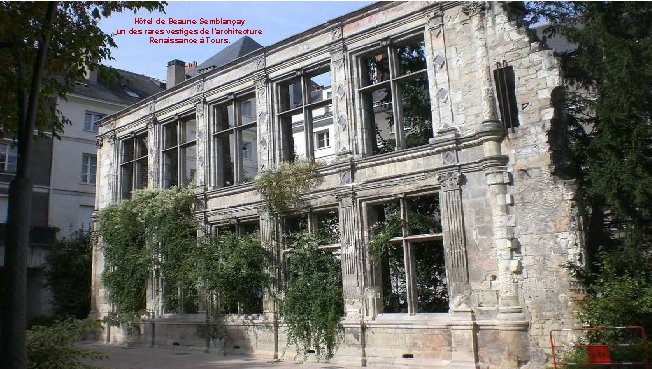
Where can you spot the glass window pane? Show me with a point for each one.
(248, 228)
(93, 168)
(170, 135)
(127, 150)
(291, 95)
(126, 180)
(141, 174)
(170, 168)
(431, 283)
(224, 118)
(394, 282)
(378, 109)
(189, 131)
(417, 123)
(411, 57)
(141, 146)
(375, 68)
(293, 133)
(327, 227)
(189, 163)
(249, 154)
(424, 215)
(224, 158)
(248, 110)
(319, 86)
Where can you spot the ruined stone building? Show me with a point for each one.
(417, 110)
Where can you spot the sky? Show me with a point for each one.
(277, 20)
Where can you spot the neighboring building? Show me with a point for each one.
(74, 156)
(64, 169)
(440, 111)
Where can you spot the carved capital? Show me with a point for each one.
(450, 181)
(99, 141)
(200, 103)
(151, 120)
(260, 81)
(474, 8)
(336, 33)
(260, 62)
(436, 21)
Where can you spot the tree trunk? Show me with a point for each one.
(14, 322)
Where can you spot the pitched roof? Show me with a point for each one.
(237, 49)
(119, 86)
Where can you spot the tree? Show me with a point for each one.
(39, 64)
(609, 106)
(68, 276)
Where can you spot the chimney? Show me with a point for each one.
(176, 73)
(191, 66)
(90, 74)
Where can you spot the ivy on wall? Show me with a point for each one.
(312, 305)
(282, 186)
(153, 229)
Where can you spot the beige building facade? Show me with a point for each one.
(417, 110)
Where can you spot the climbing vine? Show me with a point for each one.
(153, 229)
(313, 305)
(282, 186)
(234, 267)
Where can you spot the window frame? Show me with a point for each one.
(406, 241)
(94, 119)
(134, 162)
(89, 170)
(180, 121)
(389, 47)
(235, 102)
(327, 142)
(302, 76)
(10, 154)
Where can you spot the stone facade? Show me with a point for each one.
(508, 223)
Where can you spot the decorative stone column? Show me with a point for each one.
(438, 78)
(153, 150)
(450, 198)
(203, 137)
(352, 258)
(462, 322)
(263, 107)
(339, 87)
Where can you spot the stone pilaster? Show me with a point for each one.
(454, 239)
(264, 123)
(438, 77)
(268, 233)
(352, 258)
(476, 11)
(340, 88)
(203, 144)
(153, 152)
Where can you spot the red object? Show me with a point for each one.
(599, 354)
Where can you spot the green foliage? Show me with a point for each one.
(312, 305)
(68, 275)
(154, 229)
(77, 41)
(610, 136)
(282, 186)
(383, 232)
(53, 347)
(235, 268)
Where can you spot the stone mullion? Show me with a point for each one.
(351, 258)
(340, 86)
(438, 76)
(454, 239)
